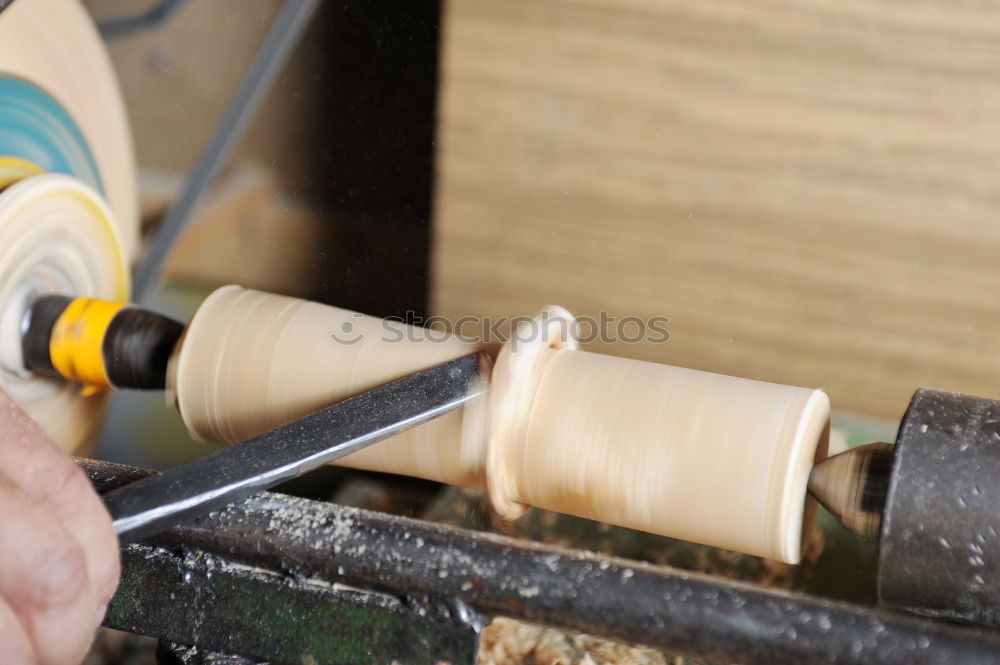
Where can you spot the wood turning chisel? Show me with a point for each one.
(159, 502)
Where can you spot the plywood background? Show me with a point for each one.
(808, 190)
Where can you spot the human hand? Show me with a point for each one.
(59, 561)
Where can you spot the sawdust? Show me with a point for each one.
(782, 575)
(510, 642)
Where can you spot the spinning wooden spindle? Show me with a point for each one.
(699, 456)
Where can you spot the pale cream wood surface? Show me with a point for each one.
(694, 455)
(808, 190)
(250, 361)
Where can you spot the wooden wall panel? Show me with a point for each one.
(808, 190)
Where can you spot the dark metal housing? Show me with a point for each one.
(939, 546)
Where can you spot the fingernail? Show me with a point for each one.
(101, 611)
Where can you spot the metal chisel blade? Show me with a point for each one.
(159, 502)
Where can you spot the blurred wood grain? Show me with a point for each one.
(807, 189)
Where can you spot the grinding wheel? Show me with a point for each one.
(56, 236)
(60, 105)
(69, 208)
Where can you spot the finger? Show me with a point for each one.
(15, 647)
(43, 577)
(46, 473)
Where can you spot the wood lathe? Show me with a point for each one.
(693, 455)
(697, 456)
